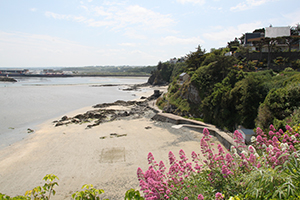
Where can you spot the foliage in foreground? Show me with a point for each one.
(88, 192)
(268, 169)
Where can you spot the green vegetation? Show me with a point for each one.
(88, 192)
(228, 91)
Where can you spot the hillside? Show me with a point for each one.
(228, 91)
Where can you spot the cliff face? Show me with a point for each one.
(183, 99)
(155, 79)
(192, 94)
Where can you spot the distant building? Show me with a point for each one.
(273, 32)
(249, 37)
(183, 77)
(173, 60)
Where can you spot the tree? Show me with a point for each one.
(233, 45)
(195, 59)
(270, 42)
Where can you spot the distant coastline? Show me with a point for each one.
(74, 75)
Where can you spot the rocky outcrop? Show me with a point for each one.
(156, 79)
(102, 112)
(7, 79)
(192, 94)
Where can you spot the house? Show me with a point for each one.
(274, 32)
(250, 37)
(183, 77)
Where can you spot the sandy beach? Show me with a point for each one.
(106, 155)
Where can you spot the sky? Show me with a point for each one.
(74, 33)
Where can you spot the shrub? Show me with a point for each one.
(270, 164)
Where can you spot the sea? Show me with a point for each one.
(33, 100)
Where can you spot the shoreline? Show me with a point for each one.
(16, 131)
(106, 155)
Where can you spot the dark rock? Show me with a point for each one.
(154, 96)
(59, 124)
(64, 118)
(7, 79)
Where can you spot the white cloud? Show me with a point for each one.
(132, 33)
(57, 16)
(32, 50)
(118, 17)
(229, 33)
(293, 18)
(201, 2)
(173, 40)
(248, 4)
(33, 9)
(127, 44)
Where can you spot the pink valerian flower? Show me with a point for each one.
(225, 171)
(272, 128)
(194, 157)
(172, 158)
(238, 137)
(162, 166)
(229, 158)
(287, 127)
(271, 133)
(251, 149)
(200, 197)
(219, 196)
(205, 132)
(259, 131)
(182, 155)
(150, 158)
(259, 139)
(221, 150)
(140, 174)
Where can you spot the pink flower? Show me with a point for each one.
(259, 139)
(194, 156)
(205, 132)
(272, 127)
(150, 158)
(186, 198)
(259, 131)
(182, 155)
(271, 133)
(171, 157)
(287, 127)
(200, 197)
(140, 174)
(219, 196)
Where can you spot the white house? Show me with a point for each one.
(273, 32)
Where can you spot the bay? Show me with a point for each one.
(31, 101)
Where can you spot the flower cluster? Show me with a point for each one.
(223, 172)
(276, 146)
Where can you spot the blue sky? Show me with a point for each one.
(65, 33)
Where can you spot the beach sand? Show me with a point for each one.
(106, 156)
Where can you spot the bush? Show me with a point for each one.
(268, 169)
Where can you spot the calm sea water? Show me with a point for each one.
(31, 101)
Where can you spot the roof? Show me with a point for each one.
(246, 131)
(182, 74)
